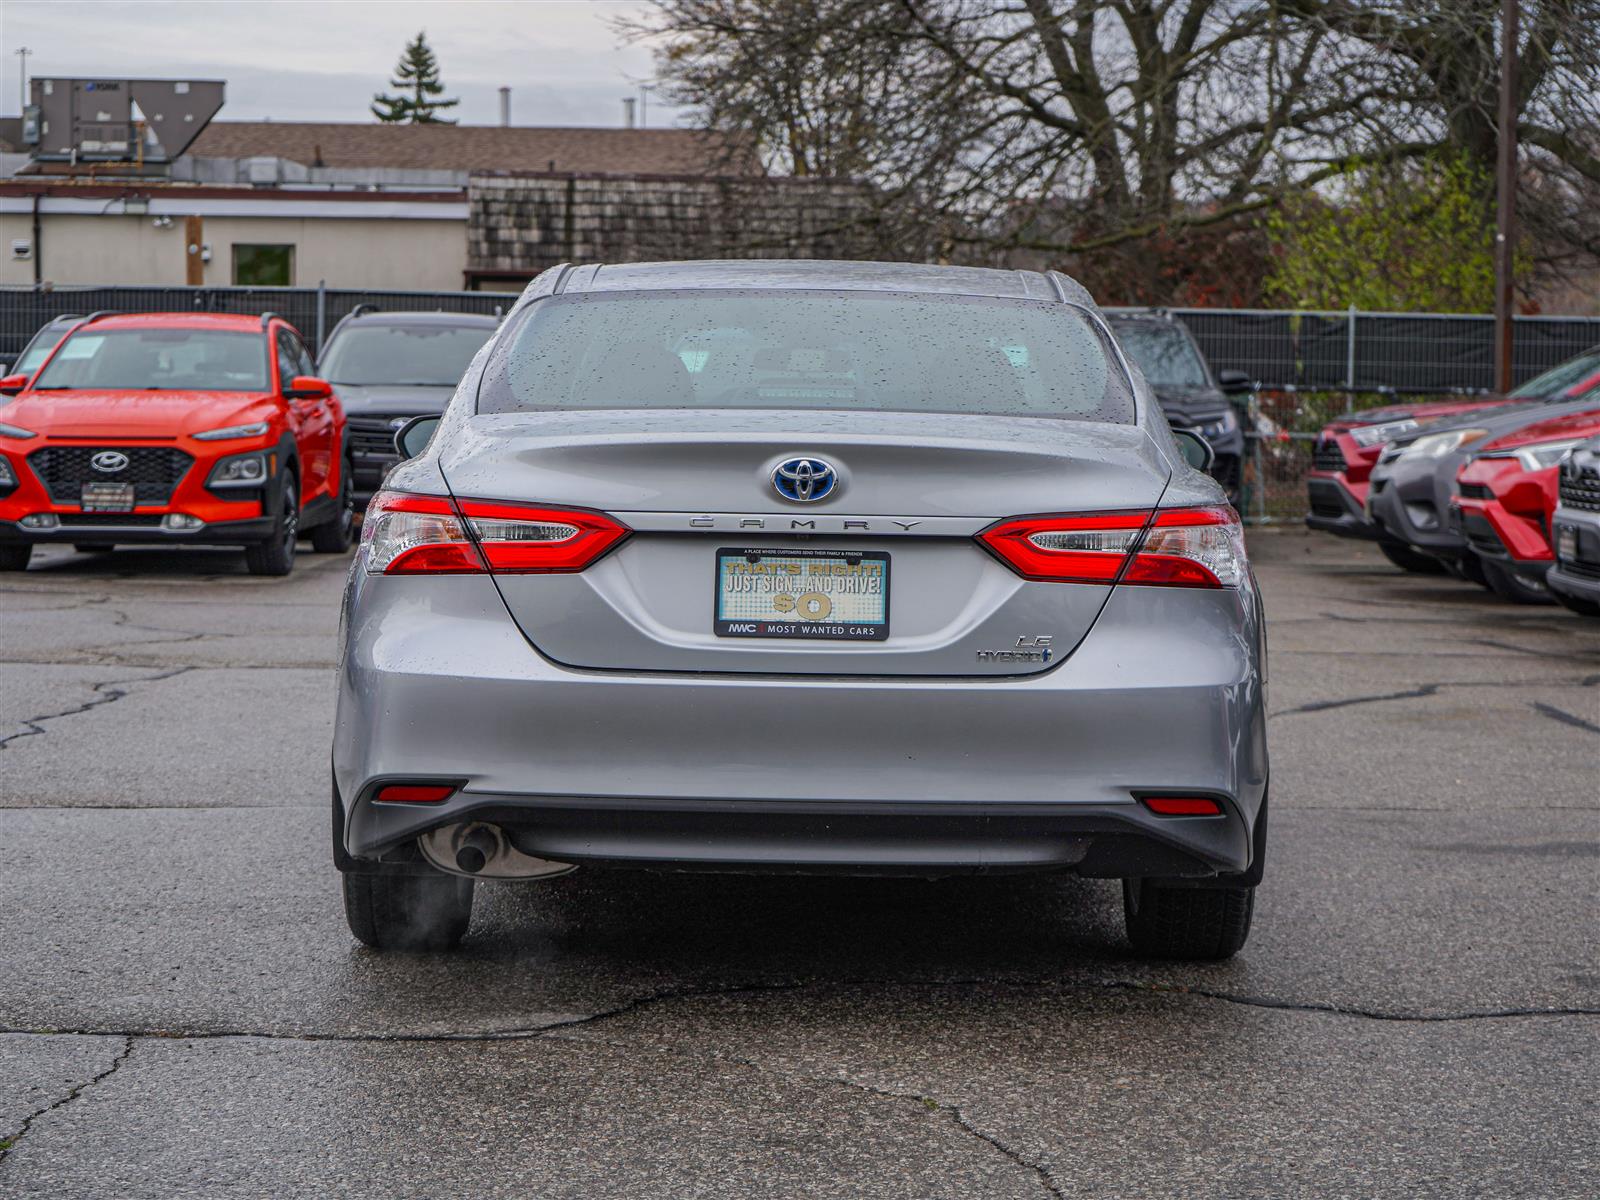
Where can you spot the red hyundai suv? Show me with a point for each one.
(175, 429)
(1506, 495)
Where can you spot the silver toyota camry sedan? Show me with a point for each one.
(804, 567)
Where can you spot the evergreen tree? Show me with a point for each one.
(417, 83)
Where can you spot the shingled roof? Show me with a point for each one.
(471, 147)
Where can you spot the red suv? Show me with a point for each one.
(1506, 495)
(171, 429)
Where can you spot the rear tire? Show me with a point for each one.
(275, 556)
(1509, 585)
(15, 558)
(1190, 924)
(1411, 560)
(408, 912)
(333, 537)
(93, 547)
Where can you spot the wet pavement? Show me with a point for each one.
(183, 1012)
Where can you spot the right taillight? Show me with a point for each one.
(406, 534)
(1174, 547)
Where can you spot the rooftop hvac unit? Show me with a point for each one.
(118, 120)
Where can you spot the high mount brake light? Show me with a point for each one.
(1175, 547)
(434, 535)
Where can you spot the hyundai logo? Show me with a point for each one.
(804, 479)
(109, 461)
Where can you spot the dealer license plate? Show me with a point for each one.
(107, 497)
(834, 594)
(1566, 543)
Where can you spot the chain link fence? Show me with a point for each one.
(1379, 353)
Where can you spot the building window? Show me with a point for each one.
(263, 266)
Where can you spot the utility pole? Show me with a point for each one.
(1505, 236)
(22, 84)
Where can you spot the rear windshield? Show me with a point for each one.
(205, 360)
(811, 350)
(424, 355)
(1165, 355)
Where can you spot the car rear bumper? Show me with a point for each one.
(863, 774)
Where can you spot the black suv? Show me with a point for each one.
(1165, 350)
(391, 366)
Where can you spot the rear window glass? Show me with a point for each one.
(423, 355)
(812, 350)
(207, 360)
(1165, 355)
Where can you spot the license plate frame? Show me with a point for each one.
(769, 621)
(1566, 543)
(107, 497)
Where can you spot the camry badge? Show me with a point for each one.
(109, 461)
(804, 479)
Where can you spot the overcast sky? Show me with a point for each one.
(321, 60)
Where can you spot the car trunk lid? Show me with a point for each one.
(697, 489)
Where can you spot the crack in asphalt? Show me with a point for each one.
(678, 995)
(926, 1103)
(961, 1121)
(32, 726)
(8, 1144)
(1566, 718)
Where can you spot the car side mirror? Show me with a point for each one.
(12, 384)
(308, 387)
(1234, 383)
(1195, 449)
(412, 438)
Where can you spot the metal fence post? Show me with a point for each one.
(1261, 479)
(322, 311)
(1350, 351)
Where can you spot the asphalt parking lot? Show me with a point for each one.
(183, 1012)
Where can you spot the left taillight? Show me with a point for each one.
(407, 534)
(1176, 547)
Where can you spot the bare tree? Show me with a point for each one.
(1076, 129)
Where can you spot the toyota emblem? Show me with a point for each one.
(804, 479)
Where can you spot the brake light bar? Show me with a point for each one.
(1173, 547)
(406, 534)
